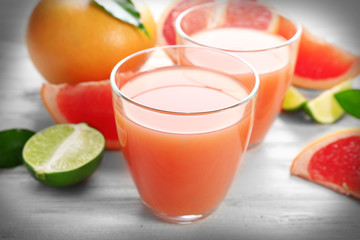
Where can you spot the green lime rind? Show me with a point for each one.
(324, 108)
(293, 100)
(64, 154)
(12, 142)
(67, 178)
(349, 100)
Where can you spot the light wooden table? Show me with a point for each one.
(264, 202)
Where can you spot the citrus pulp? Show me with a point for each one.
(332, 161)
(89, 102)
(64, 154)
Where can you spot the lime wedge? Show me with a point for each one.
(64, 154)
(293, 100)
(12, 142)
(324, 108)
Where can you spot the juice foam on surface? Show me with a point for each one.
(184, 90)
(240, 40)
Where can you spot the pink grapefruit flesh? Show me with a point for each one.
(321, 65)
(332, 161)
(89, 102)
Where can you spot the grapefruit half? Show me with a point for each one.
(89, 102)
(332, 161)
(321, 65)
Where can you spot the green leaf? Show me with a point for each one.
(123, 10)
(349, 100)
(12, 142)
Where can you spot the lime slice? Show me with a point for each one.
(293, 100)
(64, 154)
(324, 108)
(12, 142)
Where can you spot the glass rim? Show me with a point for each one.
(180, 31)
(119, 93)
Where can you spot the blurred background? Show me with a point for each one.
(334, 20)
(326, 16)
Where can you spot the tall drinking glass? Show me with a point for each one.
(256, 32)
(184, 124)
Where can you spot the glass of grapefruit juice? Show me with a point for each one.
(184, 123)
(257, 33)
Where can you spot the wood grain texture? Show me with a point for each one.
(264, 202)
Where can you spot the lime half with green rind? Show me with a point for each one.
(324, 108)
(12, 142)
(64, 154)
(293, 100)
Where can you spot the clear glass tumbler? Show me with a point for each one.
(184, 116)
(267, 39)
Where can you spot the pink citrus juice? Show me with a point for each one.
(272, 64)
(183, 164)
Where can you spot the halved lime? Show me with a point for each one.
(12, 142)
(293, 100)
(324, 108)
(64, 154)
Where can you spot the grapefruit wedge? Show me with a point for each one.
(89, 102)
(321, 65)
(332, 161)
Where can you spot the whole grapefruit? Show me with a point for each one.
(76, 41)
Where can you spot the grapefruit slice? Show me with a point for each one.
(332, 161)
(321, 65)
(89, 102)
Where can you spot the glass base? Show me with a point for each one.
(254, 145)
(182, 219)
